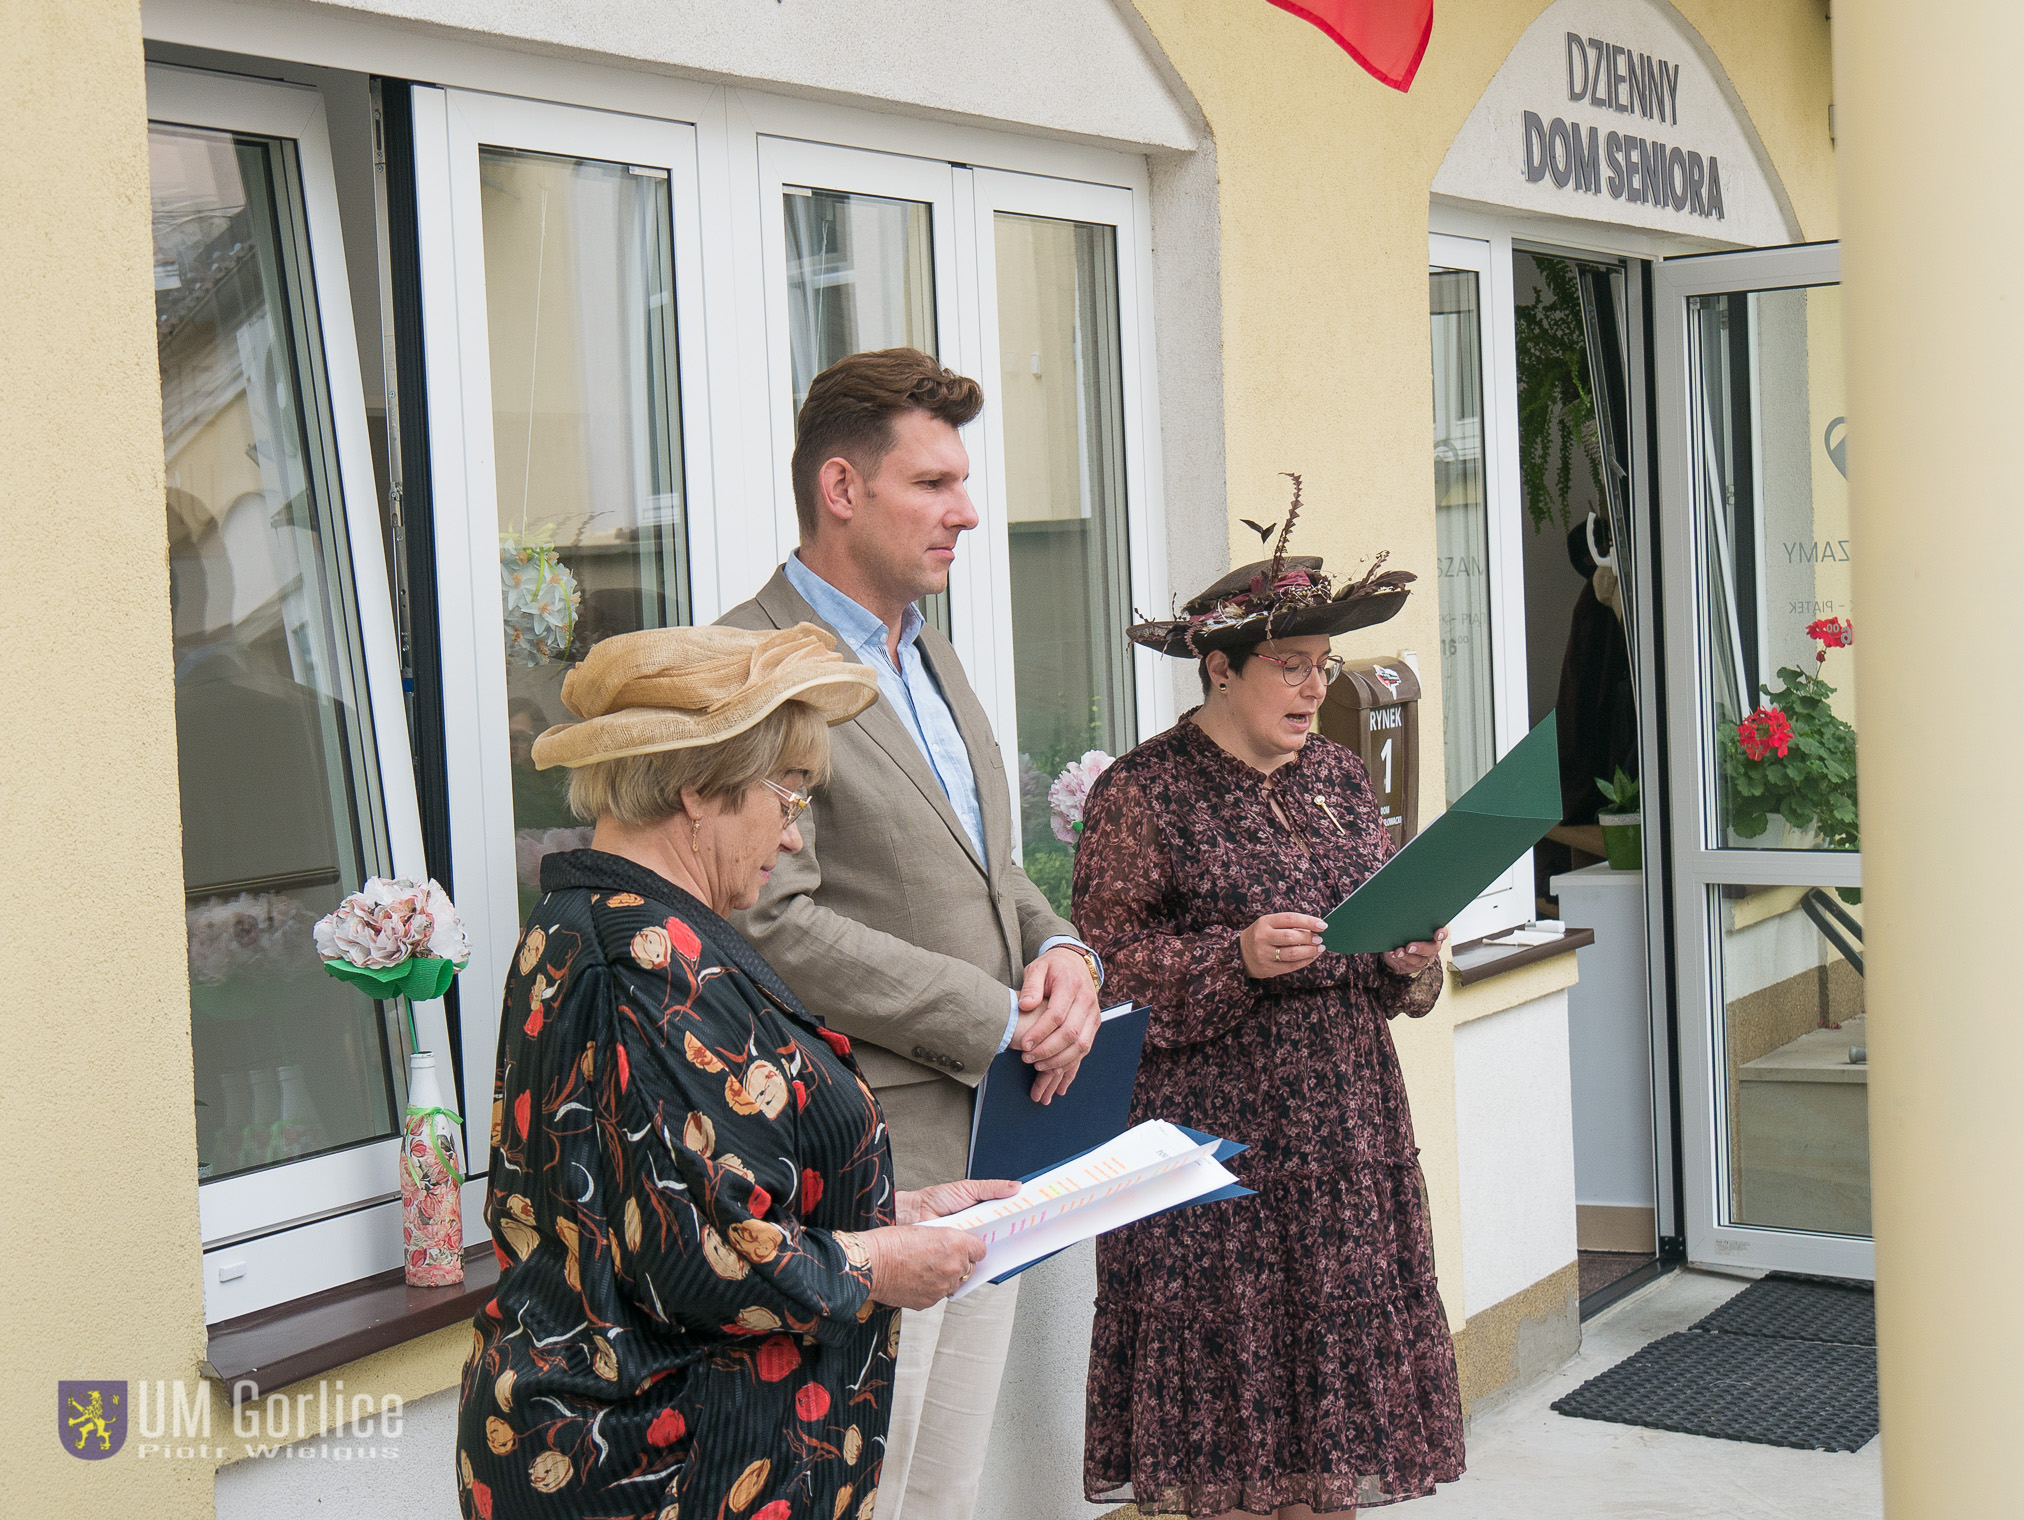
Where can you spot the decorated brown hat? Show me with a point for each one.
(1284, 597)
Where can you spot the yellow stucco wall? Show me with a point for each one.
(1323, 179)
(102, 1258)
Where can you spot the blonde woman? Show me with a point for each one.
(702, 1254)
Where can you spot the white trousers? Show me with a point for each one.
(945, 1390)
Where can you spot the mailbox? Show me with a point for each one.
(1374, 709)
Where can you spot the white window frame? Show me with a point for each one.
(451, 127)
(1509, 899)
(283, 1231)
(740, 526)
(996, 190)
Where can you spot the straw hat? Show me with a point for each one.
(1283, 597)
(678, 688)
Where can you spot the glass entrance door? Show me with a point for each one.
(1765, 833)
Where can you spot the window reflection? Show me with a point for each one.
(273, 745)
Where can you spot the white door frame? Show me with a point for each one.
(1698, 866)
(1508, 900)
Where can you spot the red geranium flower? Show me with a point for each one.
(667, 1428)
(1835, 633)
(1765, 730)
(683, 938)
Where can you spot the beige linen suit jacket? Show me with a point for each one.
(887, 924)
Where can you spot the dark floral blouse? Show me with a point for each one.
(1290, 1347)
(680, 1156)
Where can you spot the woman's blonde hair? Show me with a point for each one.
(642, 790)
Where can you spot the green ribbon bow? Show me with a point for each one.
(435, 1143)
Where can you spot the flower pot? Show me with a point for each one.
(1623, 839)
(432, 1212)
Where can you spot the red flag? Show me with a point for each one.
(1388, 37)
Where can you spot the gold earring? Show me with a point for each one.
(696, 837)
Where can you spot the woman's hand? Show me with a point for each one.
(1281, 942)
(1411, 960)
(915, 1267)
(948, 1198)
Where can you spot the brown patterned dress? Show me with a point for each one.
(1287, 1348)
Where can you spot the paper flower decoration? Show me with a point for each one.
(1070, 791)
(539, 596)
(394, 937)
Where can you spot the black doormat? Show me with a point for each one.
(1784, 1306)
(1787, 1362)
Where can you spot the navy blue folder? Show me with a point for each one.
(1012, 1136)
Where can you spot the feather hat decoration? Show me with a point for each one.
(1286, 596)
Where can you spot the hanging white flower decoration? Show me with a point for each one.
(539, 595)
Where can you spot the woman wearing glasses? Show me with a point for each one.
(702, 1256)
(1285, 1352)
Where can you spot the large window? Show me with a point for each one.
(291, 749)
(1462, 526)
(594, 328)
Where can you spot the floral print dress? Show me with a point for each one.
(1290, 1347)
(681, 1157)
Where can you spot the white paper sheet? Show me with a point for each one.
(1150, 1167)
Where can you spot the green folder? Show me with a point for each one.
(1444, 868)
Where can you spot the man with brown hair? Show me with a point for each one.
(903, 920)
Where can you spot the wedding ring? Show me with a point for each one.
(1275, 952)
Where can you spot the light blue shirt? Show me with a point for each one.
(910, 691)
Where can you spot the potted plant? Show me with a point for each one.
(1794, 757)
(1623, 824)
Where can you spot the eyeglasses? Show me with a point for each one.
(792, 804)
(1297, 668)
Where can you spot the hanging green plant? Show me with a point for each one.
(1556, 409)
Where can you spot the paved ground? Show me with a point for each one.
(1528, 1463)
(1525, 1462)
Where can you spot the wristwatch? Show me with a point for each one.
(1088, 959)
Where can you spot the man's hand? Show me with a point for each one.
(1058, 1019)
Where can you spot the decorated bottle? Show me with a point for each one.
(432, 1211)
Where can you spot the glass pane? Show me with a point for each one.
(1063, 399)
(1461, 527)
(274, 747)
(860, 275)
(1797, 1060)
(1767, 434)
(586, 437)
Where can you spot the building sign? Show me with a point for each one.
(1615, 110)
